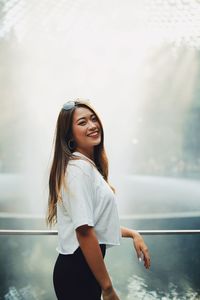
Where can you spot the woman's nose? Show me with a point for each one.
(91, 125)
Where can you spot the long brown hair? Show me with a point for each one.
(62, 155)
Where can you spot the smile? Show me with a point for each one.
(94, 134)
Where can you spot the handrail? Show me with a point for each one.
(55, 232)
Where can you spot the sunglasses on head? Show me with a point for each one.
(71, 104)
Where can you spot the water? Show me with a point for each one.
(174, 272)
(27, 262)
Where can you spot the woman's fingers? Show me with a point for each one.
(138, 251)
(146, 258)
(142, 251)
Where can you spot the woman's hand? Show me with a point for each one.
(109, 294)
(141, 249)
(139, 244)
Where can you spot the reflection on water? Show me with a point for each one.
(25, 293)
(138, 289)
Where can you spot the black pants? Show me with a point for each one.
(73, 279)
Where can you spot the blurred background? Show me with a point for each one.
(138, 62)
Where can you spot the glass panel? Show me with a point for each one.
(26, 267)
(27, 264)
(175, 264)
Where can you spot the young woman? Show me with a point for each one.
(83, 204)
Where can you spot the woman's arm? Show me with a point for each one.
(130, 233)
(92, 253)
(139, 244)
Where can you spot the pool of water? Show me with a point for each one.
(27, 262)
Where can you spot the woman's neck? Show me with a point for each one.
(88, 154)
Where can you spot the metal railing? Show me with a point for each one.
(55, 232)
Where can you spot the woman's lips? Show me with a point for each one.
(94, 134)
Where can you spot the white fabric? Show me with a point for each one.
(87, 200)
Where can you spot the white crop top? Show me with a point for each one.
(87, 200)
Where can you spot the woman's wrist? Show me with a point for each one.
(108, 291)
(129, 233)
(107, 286)
(136, 235)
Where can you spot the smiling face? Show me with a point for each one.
(86, 130)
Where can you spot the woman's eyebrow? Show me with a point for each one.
(85, 117)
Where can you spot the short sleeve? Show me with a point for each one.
(79, 196)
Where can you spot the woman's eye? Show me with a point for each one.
(94, 119)
(82, 123)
